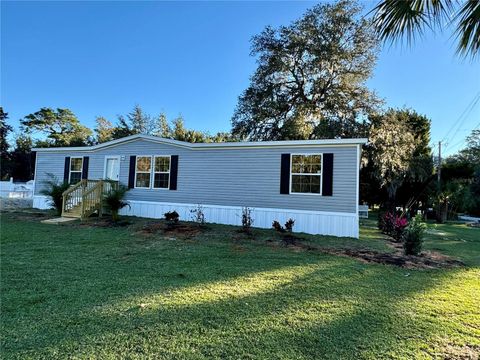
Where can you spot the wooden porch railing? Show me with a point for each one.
(84, 198)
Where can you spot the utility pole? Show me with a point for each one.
(439, 169)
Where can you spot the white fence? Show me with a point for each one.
(13, 190)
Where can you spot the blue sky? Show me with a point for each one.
(101, 58)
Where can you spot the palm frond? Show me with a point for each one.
(468, 28)
(395, 19)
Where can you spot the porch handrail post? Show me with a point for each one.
(100, 209)
(63, 203)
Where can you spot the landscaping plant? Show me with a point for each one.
(247, 220)
(198, 215)
(55, 189)
(286, 231)
(289, 225)
(392, 225)
(113, 201)
(413, 236)
(172, 218)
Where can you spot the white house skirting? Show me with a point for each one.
(41, 202)
(311, 222)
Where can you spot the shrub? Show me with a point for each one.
(413, 236)
(392, 225)
(288, 226)
(287, 237)
(172, 217)
(54, 189)
(113, 200)
(247, 220)
(276, 225)
(198, 215)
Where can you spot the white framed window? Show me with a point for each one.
(161, 172)
(306, 174)
(76, 168)
(143, 172)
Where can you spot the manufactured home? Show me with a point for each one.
(314, 182)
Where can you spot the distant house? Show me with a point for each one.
(315, 182)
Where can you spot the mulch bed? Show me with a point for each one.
(178, 230)
(426, 260)
(27, 215)
(104, 222)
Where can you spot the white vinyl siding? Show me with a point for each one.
(227, 177)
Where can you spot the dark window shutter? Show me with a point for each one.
(66, 169)
(173, 172)
(285, 174)
(131, 172)
(327, 174)
(85, 167)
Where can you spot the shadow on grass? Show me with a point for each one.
(99, 293)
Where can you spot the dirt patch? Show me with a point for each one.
(426, 260)
(185, 231)
(104, 223)
(15, 203)
(241, 235)
(27, 215)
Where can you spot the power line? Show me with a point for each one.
(464, 140)
(462, 117)
(466, 116)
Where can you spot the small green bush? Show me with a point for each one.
(413, 236)
(113, 200)
(54, 189)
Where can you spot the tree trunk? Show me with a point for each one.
(442, 211)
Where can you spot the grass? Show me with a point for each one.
(78, 291)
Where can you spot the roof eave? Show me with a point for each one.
(294, 143)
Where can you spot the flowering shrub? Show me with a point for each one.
(392, 225)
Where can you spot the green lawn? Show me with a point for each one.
(76, 291)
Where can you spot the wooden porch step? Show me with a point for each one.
(72, 215)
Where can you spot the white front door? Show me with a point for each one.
(112, 168)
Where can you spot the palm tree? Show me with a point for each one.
(394, 19)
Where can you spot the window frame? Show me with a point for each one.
(76, 171)
(292, 174)
(143, 172)
(161, 172)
